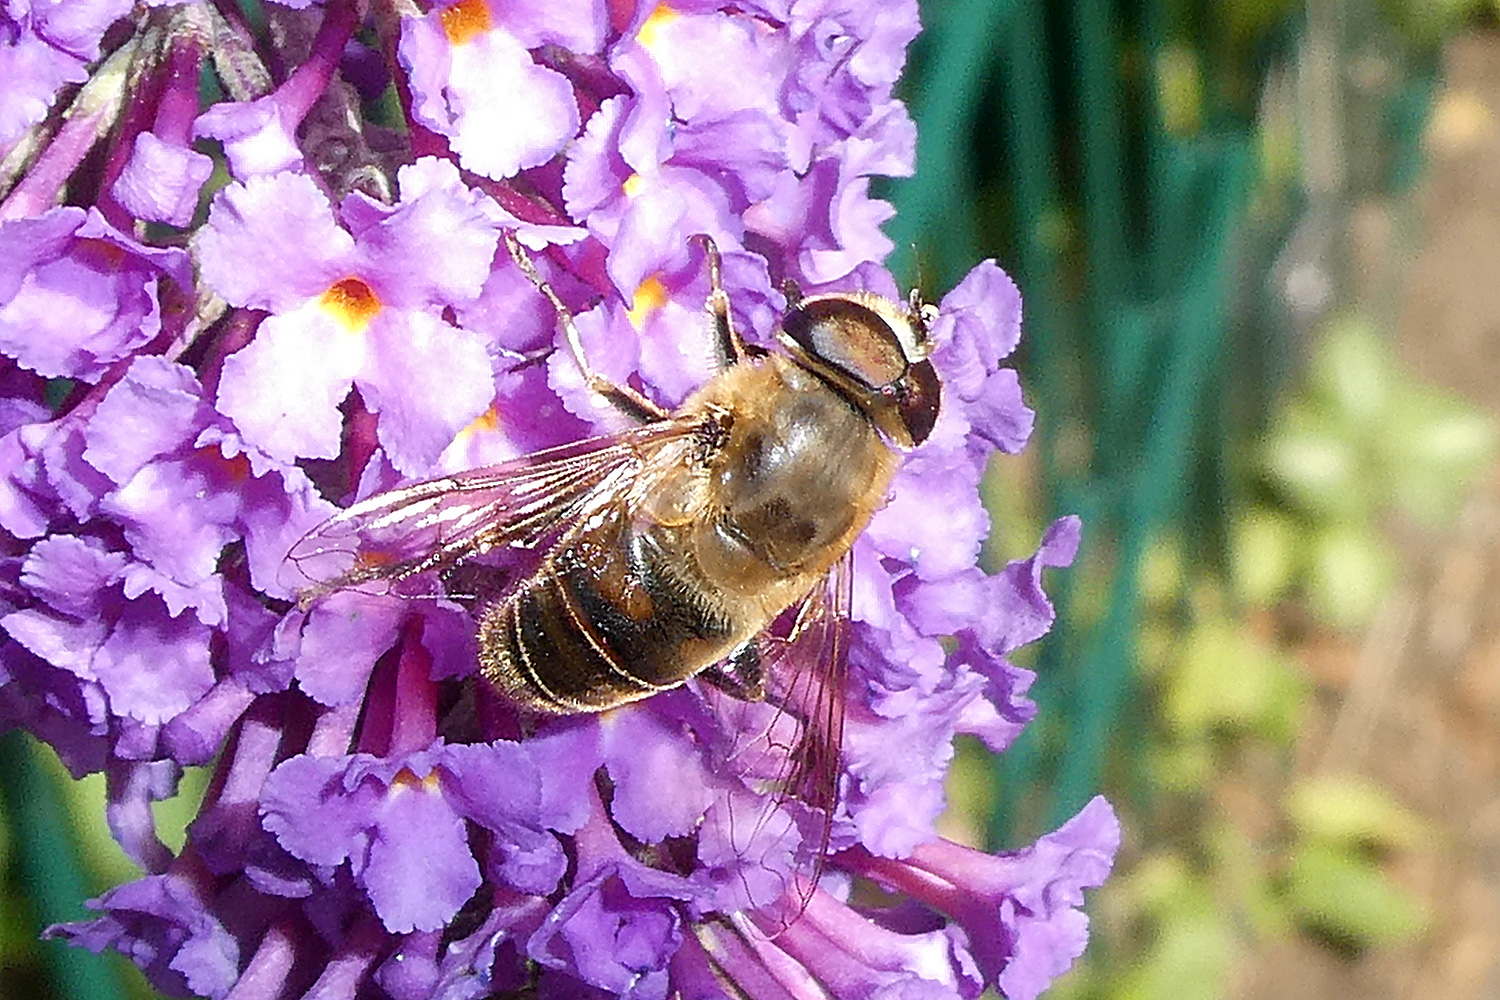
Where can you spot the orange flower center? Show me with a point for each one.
(464, 20)
(352, 302)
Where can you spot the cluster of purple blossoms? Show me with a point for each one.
(197, 372)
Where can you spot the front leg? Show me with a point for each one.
(730, 347)
(623, 397)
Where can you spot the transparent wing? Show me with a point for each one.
(522, 504)
(806, 675)
(787, 751)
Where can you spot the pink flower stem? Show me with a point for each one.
(39, 189)
(168, 101)
(308, 81)
(414, 723)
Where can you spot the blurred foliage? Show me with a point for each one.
(1231, 846)
(1360, 441)
(1238, 446)
(1427, 22)
(1348, 899)
(55, 852)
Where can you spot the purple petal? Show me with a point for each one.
(1020, 593)
(35, 72)
(167, 925)
(77, 294)
(661, 788)
(259, 136)
(272, 243)
(436, 208)
(596, 172)
(1000, 416)
(345, 633)
(47, 46)
(427, 380)
(496, 784)
(67, 572)
(1051, 930)
(979, 324)
(173, 521)
(502, 112)
(154, 666)
(305, 805)
(284, 389)
(66, 644)
(161, 182)
(937, 547)
(156, 409)
(419, 869)
(579, 27)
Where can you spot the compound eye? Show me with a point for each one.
(918, 395)
(849, 337)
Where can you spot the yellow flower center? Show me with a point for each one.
(650, 34)
(464, 20)
(352, 302)
(649, 297)
(486, 422)
(406, 780)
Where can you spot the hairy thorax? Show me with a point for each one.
(796, 480)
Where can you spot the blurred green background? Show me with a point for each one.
(1247, 329)
(1264, 358)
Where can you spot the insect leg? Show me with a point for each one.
(730, 347)
(739, 675)
(727, 340)
(925, 312)
(792, 291)
(622, 397)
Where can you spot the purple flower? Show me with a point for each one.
(474, 82)
(177, 412)
(1018, 911)
(162, 180)
(353, 305)
(848, 954)
(401, 824)
(45, 46)
(165, 925)
(163, 177)
(77, 295)
(259, 135)
(620, 924)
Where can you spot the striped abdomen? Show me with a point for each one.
(603, 622)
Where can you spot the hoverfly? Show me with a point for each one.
(667, 552)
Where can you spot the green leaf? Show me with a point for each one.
(1179, 89)
(1349, 898)
(1160, 579)
(1156, 884)
(1350, 810)
(1352, 570)
(1436, 449)
(1187, 767)
(1264, 550)
(1313, 463)
(1188, 960)
(1352, 373)
(1227, 677)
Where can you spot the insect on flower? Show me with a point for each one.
(669, 551)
